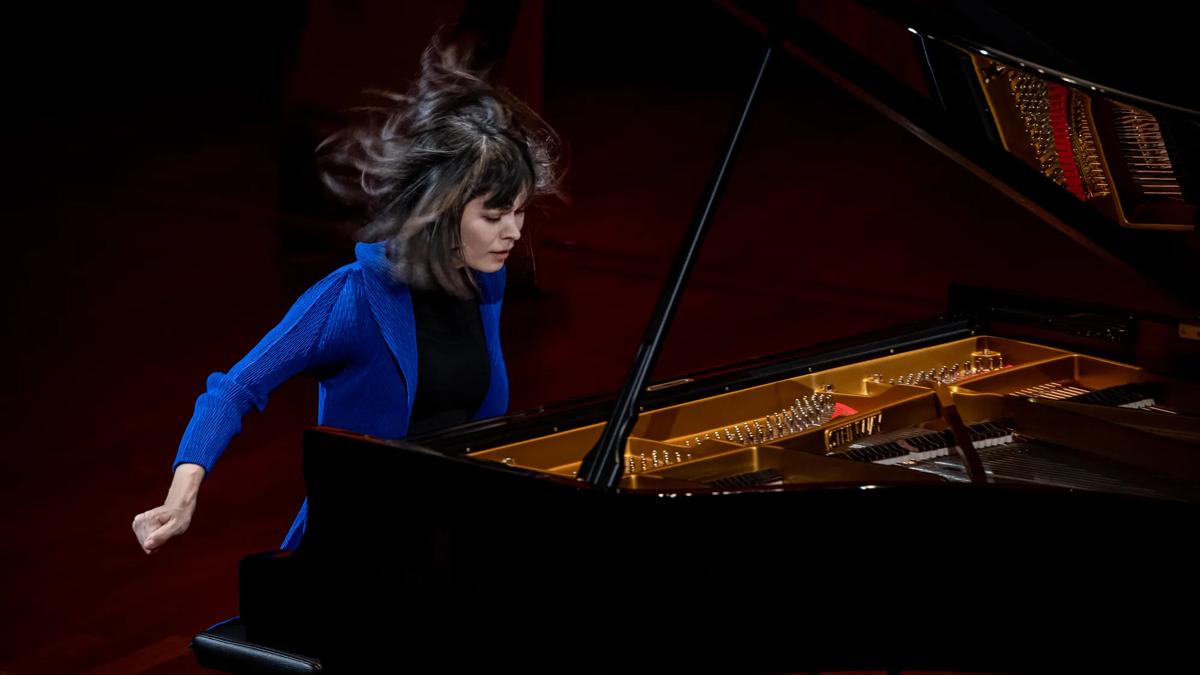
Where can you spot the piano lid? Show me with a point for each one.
(1098, 137)
(1087, 152)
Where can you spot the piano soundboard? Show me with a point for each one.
(882, 421)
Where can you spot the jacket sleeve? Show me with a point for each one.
(305, 339)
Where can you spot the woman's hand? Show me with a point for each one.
(156, 526)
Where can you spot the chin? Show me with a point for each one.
(488, 266)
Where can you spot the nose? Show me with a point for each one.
(512, 227)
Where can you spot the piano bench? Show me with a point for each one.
(224, 647)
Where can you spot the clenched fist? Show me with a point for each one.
(155, 527)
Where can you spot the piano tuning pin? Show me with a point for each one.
(687, 444)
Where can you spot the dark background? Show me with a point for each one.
(161, 213)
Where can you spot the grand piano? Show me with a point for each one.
(1005, 487)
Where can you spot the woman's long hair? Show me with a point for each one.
(423, 155)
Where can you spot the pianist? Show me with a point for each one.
(406, 338)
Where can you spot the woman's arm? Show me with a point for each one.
(298, 343)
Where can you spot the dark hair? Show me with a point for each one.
(422, 156)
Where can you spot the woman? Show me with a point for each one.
(406, 338)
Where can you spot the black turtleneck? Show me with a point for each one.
(452, 361)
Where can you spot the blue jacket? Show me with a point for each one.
(354, 331)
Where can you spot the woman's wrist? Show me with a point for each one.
(186, 485)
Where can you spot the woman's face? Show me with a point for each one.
(488, 234)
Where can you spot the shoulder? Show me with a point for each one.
(331, 286)
(369, 265)
(339, 293)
